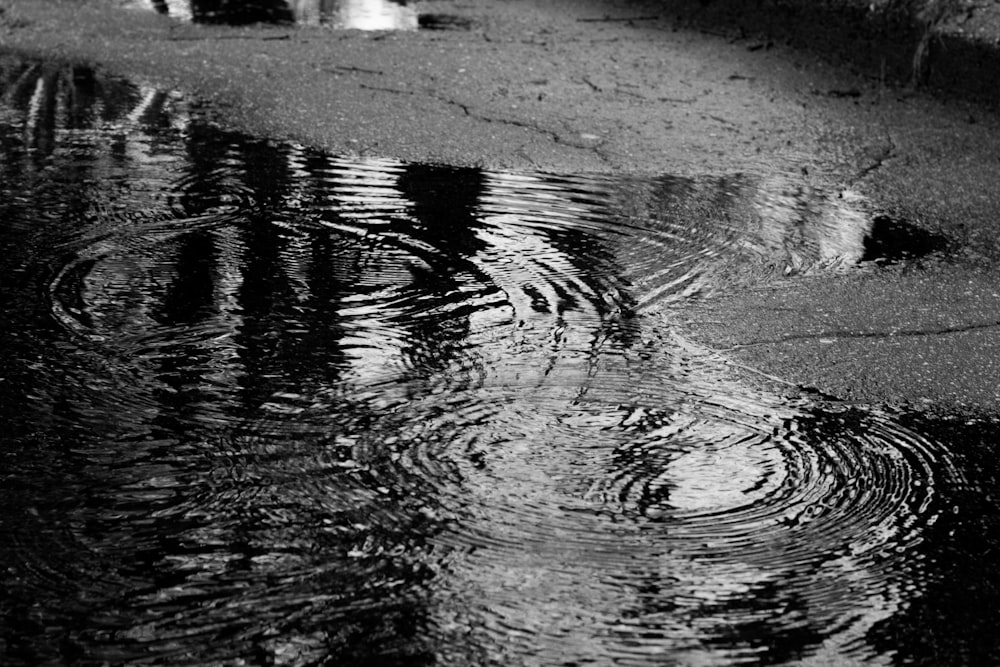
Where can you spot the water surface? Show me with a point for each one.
(265, 405)
(340, 14)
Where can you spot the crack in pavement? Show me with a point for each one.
(620, 90)
(831, 335)
(338, 69)
(619, 19)
(553, 135)
(887, 153)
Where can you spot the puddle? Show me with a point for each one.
(342, 14)
(267, 405)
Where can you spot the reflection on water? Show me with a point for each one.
(357, 14)
(353, 14)
(266, 405)
(235, 12)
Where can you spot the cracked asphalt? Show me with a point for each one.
(623, 87)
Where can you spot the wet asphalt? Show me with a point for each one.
(620, 87)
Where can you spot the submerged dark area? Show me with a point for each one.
(271, 406)
(890, 240)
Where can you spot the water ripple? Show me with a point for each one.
(271, 405)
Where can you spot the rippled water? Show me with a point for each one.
(269, 406)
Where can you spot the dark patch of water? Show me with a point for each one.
(891, 240)
(443, 22)
(231, 12)
(235, 12)
(267, 405)
(951, 622)
(344, 14)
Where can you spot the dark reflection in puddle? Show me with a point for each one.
(265, 405)
(232, 12)
(345, 14)
(890, 240)
(953, 621)
(236, 12)
(443, 22)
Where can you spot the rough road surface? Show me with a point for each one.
(640, 87)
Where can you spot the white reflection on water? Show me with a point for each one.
(357, 14)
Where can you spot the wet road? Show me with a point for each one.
(266, 405)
